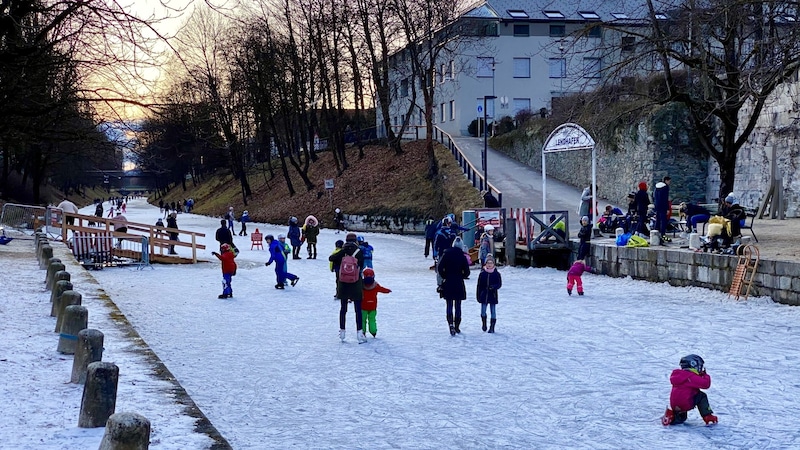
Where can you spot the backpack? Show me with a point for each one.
(637, 241)
(349, 270)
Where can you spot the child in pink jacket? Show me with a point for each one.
(574, 276)
(686, 394)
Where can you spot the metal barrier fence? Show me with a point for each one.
(53, 222)
(471, 172)
(103, 249)
(23, 218)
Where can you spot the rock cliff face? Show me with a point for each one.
(778, 134)
(662, 144)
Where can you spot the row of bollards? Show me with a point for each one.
(124, 431)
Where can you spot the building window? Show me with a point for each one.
(557, 30)
(589, 15)
(521, 104)
(441, 112)
(522, 30)
(452, 110)
(404, 87)
(522, 67)
(491, 29)
(452, 72)
(442, 73)
(591, 67)
(517, 14)
(553, 14)
(485, 65)
(596, 32)
(628, 44)
(619, 15)
(558, 67)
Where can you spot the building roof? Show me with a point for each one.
(561, 10)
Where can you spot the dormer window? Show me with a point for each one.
(589, 15)
(553, 14)
(517, 14)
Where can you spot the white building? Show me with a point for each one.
(524, 53)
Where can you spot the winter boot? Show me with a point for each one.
(294, 282)
(666, 419)
(278, 286)
(569, 291)
(361, 336)
(709, 419)
(580, 292)
(452, 328)
(222, 296)
(491, 325)
(341, 335)
(483, 321)
(457, 324)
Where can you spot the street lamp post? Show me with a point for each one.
(485, 142)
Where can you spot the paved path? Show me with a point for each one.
(520, 184)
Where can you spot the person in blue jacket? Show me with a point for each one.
(294, 237)
(276, 256)
(243, 220)
(366, 250)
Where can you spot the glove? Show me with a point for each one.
(266, 264)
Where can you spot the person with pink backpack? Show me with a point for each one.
(350, 284)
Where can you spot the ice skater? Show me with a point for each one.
(686, 394)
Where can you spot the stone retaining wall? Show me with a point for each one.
(680, 267)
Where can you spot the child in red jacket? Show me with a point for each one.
(686, 394)
(369, 302)
(228, 269)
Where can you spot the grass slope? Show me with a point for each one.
(380, 184)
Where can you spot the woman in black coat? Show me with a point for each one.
(453, 269)
(489, 281)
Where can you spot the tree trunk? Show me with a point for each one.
(727, 175)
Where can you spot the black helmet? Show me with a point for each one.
(692, 362)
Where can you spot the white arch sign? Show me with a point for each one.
(567, 137)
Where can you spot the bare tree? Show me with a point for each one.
(721, 59)
(204, 44)
(431, 30)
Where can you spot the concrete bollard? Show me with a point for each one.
(126, 431)
(62, 275)
(694, 241)
(655, 238)
(88, 350)
(68, 298)
(76, 318)
(43, 252)
(99, 394)
(619, 232)
(55, 296)
(52, 267)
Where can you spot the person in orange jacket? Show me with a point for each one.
(228, 258)
(369, 302)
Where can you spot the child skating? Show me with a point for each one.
(686, 394)
(574, 276)
(369, 302)
(228, 259)
(489, 281)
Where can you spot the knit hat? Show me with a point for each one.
(339, 243)
(351, 237)
(731, 199)
(369, 277)
(642, 186)
(552, 217)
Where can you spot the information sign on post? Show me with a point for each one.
(329, 188)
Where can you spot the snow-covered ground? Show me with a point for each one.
(268, 370)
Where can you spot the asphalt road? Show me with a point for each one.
(520, 184)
